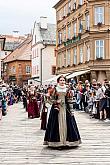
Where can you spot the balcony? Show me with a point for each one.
(64, 17)
(73, 40)
(99, 24)
(68, 14)
(99, 58)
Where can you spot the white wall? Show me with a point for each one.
(48, 60)
(36, 34)
(36, 59)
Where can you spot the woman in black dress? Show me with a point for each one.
(61, 128)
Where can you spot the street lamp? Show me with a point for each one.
(41, 62)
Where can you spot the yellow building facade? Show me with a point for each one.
(83, 38)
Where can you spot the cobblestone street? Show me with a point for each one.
(21, 141)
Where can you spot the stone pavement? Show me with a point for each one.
(21, 141)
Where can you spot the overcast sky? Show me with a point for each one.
(20, 15)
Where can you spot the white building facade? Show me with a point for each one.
(43, 51)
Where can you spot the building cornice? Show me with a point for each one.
(58, 4)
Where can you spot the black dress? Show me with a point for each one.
(61, 127)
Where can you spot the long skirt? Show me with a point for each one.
(0, 113)
(33, 110)
(61, 132)
(43, 120)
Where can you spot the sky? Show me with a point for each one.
(20, 15)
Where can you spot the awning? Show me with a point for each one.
(54, 79)
(78, 73)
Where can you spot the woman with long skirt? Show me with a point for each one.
(32, 106)
(62, 130)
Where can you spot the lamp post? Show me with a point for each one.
(41, 50)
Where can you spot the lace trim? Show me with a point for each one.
(59, 144)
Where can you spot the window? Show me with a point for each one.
(69, 31)
(99, 15)
(10, 70)
(68, 57)
(80, 2)
(34, 53)
(13, 69)
(57, 15)
(99, 49)
(74, 4)
(88, 53)
(69, 6)
(28, 69)
(59, 60)
(81, 55)
(80, 26)
(37, 70)
(74, 56)
(74, 29)
(37, 52)
(5, 67)
(64, 34)
(59, 37)
(53, 70)
(35, 39)
(60, 15)
(65, 59)
(5, 53)
(87, 22)
(19, 68)
(64, 11)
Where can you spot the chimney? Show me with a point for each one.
(15, 33)
(43, 22)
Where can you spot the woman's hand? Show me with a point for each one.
(27, 101)
(56, 107)
(59, 101)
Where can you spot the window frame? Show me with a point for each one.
(68, 57)
(59, 37)
(28, 69)
(99, 47)
(99, 17)
(65, 59)
(74, 29)
(81, 55)
(69, 31)
(87, 22)
(75, 56)
(88, 53)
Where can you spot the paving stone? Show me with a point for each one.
(21, 141)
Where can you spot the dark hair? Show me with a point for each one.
(105, 79)
(99, 84)
(30, 82)
(60, 77)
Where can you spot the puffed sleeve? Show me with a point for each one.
(52, 98)
(70, 101)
